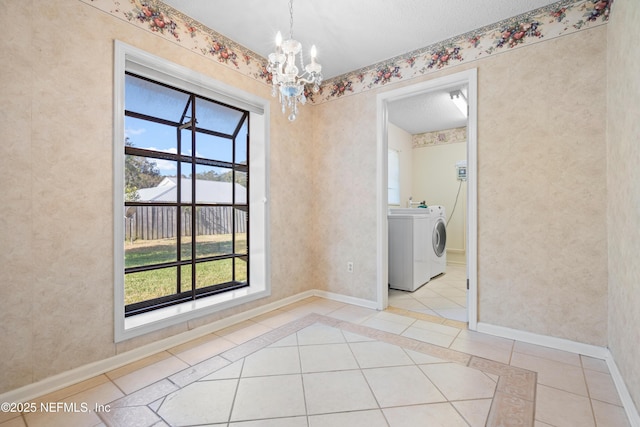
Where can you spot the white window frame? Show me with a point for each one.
(129, 58)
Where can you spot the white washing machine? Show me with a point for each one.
(438, 246)
(409, 249)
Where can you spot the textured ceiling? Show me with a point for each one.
(428, 112)
(353, 34)
(350, 34)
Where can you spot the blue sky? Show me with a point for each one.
(151, 99)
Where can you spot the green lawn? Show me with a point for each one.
(147, 285)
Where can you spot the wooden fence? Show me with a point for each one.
(161, 222)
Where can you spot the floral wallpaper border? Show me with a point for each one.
(441, 137)
(558, 19)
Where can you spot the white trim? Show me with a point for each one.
(130, 58)
(382, 197)
(623, 392)
(594, 351)
(455, 251)
(544, 340)
(472, 199)
(470, 78)
(346, 299)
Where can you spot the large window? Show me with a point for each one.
(190, 194)
(186, 185)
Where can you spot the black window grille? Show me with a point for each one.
(186, 207)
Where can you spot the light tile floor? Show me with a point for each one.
(444, 295)
(322, 363)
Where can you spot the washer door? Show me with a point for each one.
(439, 238)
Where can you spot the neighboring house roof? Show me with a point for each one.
(206, 191)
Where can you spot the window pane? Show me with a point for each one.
(152, 99)
(213, 185)
(142, 178)
(213, 273)
(241, 188)
(147, 285)
(216, 117)
(241, 270)
(186, 218)
(186, 145)
(214, 147)
(150, 235)
(185, 278)
(150, 135)
(192, 188)
(241, 231)
(214, 226)
(241, 144)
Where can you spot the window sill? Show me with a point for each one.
(144, 323)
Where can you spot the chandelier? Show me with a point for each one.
(287, 83)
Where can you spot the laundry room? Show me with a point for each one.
(427, 153)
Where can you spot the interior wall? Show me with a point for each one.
(542, 252)
(56, 218)
(435, 181)
(623, 154)
(344, 214)
(542, 189)
(400, 140)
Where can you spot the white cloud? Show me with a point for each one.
(166, 167)
(132, 132)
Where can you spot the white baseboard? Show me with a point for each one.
(346, 299)
(544, 340)
(573, 347)
(623, 392)
(455, 251)
(84, 372)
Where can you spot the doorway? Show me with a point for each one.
(466, 79)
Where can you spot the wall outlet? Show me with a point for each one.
(350, 266)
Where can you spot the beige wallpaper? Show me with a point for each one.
(344, 196)
(623, 130)
(56, 310)
(542, 189)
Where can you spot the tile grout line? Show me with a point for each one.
(304, 394)
(235, 393)
(259, 342)
(498, 399)
(365, 377)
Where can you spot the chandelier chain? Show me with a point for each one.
(290, 19)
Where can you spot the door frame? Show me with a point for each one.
(470, 79)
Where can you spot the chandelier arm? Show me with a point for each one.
(306, 81)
